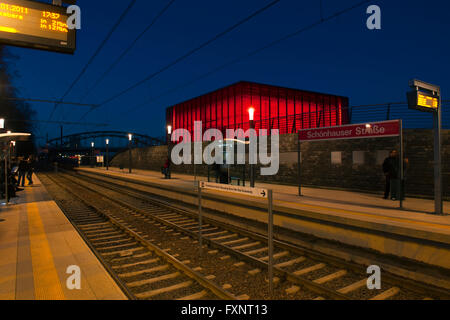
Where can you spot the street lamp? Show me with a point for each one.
(130, 139)
(251, 116)
(107, 154)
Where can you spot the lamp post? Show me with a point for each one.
(251, 115)
(6, 178)
(92, 154)
(13, 150)
(169, 144)
(2, 127)
(130, 139)
(107, 154)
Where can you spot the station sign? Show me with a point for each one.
(384, 129)
(253, 192)
(36, 25)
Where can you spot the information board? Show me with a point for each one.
(423, 101)
(254, 192)
(35, 25)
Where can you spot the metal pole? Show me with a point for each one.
(270, 236)
(400, 188)
(438, 159)
(129, 155)
(299, 160)
(252, 166)
(200, 220)
(107, 157)
(6, 180)
(169, 143)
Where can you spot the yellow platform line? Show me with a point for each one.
(46, 281)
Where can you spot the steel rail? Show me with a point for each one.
(216, 290)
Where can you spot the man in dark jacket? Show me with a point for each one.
(391, 172)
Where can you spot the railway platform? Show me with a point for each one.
(38, 245)
(356, 219)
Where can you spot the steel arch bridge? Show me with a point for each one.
(75, 141)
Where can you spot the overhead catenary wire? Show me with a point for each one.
(60, 122)
(127, 50)
(252, 53)
(186, 55)
(47, 101)
(96, 53)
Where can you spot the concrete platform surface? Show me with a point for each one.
(38, 245)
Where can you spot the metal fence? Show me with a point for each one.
(412, 119)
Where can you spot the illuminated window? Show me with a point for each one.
(336, 157)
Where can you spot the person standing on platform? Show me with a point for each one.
(166, 169)
(390, 169)
(30, 171)
(23, 169)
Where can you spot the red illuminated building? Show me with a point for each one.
(288, 110)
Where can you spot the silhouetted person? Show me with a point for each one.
(391, 172)
(166, 169)
(30, 171)
(23, 169)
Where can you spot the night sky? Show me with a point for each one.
(340, 56)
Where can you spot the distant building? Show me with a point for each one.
(288, 110)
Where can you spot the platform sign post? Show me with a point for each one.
(247, 191)
(427, 97)
(270, 239)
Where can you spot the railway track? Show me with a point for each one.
(141, 269)
(296, 270)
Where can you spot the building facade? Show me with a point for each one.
(288, 110)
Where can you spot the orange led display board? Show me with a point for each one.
(423, 101)
(426, 101)
(35, 25)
